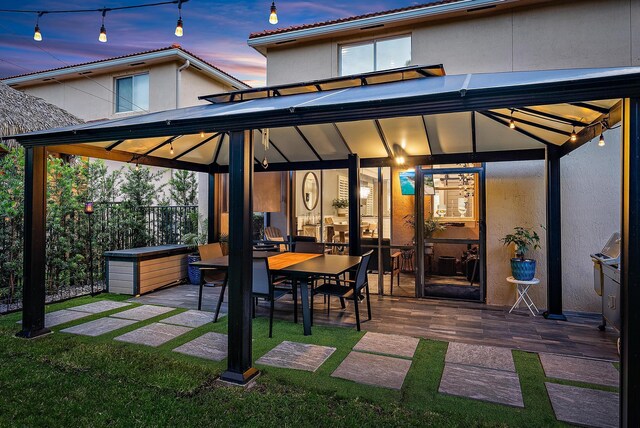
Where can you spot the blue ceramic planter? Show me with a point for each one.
(523, 270)
(194, 272)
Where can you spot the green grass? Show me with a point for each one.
(67, 380)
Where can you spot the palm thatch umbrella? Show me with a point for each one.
(20, 113)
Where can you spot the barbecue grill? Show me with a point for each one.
(606, 281)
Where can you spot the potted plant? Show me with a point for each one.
(341, 206)
(523, 238)
(431, 226)
(194, 240)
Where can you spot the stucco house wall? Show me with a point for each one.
(551, 35)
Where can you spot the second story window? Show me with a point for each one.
(375, 55)
(132, 93)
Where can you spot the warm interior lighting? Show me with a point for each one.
(37, 36)
(179, 31)
(273, 17)
(364, 192)
(574, 136)
(400, 160)
(601, 141)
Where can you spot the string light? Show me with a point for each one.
(201, 134)
(37, 35)
(103, 31)
(179, 31)
(512, 124)
(273, 17)
(574, 136)
(601, 141)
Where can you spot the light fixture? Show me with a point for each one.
(179, 31)
(37, 35)
(574, 136)
(601, 141)
(273, 17)
(88, 208)
(364, 192)
(103, 31)
(400, 160)
(512, 123)
(201, 134)
(171, 148)
(265, 144)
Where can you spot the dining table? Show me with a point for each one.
(302, 268)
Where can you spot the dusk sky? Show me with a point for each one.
(217, 31)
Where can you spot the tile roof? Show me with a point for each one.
(168, 48)
(348, 19)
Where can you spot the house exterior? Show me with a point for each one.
(145, 82)
(492, 36)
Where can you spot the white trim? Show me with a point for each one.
(206, 68)
(389, 18)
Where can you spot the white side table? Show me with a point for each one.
(523, 294)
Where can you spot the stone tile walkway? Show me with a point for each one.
(62, 316)
(294, 355)
(190, 318)
(99, 327)
(580, 369)
(143, 312)
(484, 373)
(389, 344)
(100, 306)
(153, 334)
(371, 369)
(212, 346)
(583, 406)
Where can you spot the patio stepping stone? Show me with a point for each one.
(480, 383)
(153, 334)
(191, 318)
(390, 344)
(584, 406)
(99, 327)
(100, 306)
(62, 316)
(299, 356)
(371, 369)
(212, 346)
(491, 357)
(143, 312)
(580, 369)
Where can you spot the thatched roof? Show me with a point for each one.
(20, 113)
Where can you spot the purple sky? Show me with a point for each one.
(217, 31)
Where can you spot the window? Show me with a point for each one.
(375, 55)
(132, 93)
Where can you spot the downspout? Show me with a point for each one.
(184, 66)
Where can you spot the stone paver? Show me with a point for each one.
(153, 334)
(376, 370)
(583, 406)
(580, 369)
(212, 346)
(100, 306)
(143, 312)
(62, 316)
(294, 355)
(190, 318)
(390, 344)
(480, 383)
(99, 326)
(490, 357)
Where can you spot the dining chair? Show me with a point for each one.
(216, 277)
(347, 289)
(271, 232)
(263, 287)
(308, 247)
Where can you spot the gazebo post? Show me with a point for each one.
(35, 203)
(213, 209)
(354, 204)
(240, 368)
(630, 273)
(554, 237)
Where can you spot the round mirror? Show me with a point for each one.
(310, 191)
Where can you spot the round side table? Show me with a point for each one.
(523, 294)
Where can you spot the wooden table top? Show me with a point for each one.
(277, 261)
(327, 264)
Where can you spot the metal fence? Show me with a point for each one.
(113, 226)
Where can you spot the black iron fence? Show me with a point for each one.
(74, 267)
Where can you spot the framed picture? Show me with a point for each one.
(429, 187)
(408, 183)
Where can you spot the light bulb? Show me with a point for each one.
(103, 35)
(273, 17)
(179, 28)
(171, 148)
(574, 136)
(512, 124)
(400, 160)
(601, 142)
(201, 134)
(37, 36)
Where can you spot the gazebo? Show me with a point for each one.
(410, 98)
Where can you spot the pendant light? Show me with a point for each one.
(103, 31)
(37, 35)
(179, 30)
(273, 17)
(512, 123)
(574, 136)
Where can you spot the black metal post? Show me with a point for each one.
(380, 232)
(91, 255)
(554, 235)
(630, 268)
(35, 202)
(419, 232)
(239, 365)
(354, 205)
(213, 210)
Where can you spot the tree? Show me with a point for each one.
(183, 188)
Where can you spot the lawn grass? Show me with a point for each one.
(68, 380)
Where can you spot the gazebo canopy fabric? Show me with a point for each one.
(428, 116)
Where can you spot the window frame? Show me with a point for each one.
(374, 42)
(116, 93)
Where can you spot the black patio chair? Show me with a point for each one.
(308, 247)
(390, 259)
(263, 287)
(348, 289)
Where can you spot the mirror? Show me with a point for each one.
(310, 191)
